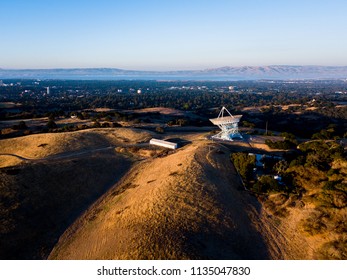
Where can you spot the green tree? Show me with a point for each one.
(159, 129)
(51, 116)
(281, 166)
(244, 163)
(248, 124)
(22, 125)
(289, 137)
(115, 124)
(283, 145)
(186, 106)
(96, 124)
(266, 184)
(181, 122)
(51, 124)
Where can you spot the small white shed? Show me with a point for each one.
(163, 143)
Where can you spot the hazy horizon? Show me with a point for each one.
(173, 70)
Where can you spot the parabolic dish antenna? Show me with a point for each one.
(228, 124)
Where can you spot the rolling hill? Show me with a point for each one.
(55, 179)
(169, 208)
(106, 194)
(222, 73)
(186, 205)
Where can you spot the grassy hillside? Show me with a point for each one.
(312, 202)
(187, 205)
(40, 199)
(43, 145)
(97, 194)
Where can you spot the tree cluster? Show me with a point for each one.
(244, 163)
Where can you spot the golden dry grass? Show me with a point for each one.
(182, 206)
(189, 205)
(7, 160)
(39, 199)
(39, 146)
(315, 220)
(161, 110)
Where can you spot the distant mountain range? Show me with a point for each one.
(278, 72)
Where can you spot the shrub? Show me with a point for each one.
(105, 124)
(333, 250)
(159, 129)
(51, 124)
(313, 224)
(332, 172)
(282, 145)
(22, 125)
(115, 124)
(248, 124)
(96, 124)
(300, 160)
(266, 184)
(280, 167)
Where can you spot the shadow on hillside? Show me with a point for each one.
(41, 200)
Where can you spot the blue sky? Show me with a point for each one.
(171, 35)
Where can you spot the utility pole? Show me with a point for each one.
(266, 128)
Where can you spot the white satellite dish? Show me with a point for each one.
(228, 124)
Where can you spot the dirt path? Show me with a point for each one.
(61, 155)
(277, 242)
